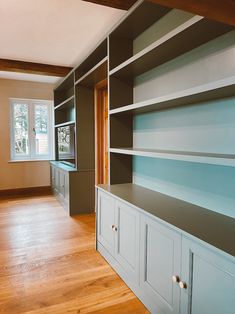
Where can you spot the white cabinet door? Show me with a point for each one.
(160, 260)
(127, 222)
(210, 279)
(106, 221)
(66, 186)
(57, 180)
(62, 183)
(52, 177)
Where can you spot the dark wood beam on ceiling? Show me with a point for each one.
(219, 10)
(33, 68)
(117, 4)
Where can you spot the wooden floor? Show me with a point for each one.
(48, 263)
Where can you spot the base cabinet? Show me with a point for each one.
(73, 189)
(63, 188)
(60, 185)
(55, 183)
(118, 230)
(170, 272)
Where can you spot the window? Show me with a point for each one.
(31, 129)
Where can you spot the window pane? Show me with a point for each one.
(41, 129)
(21, 139)
(64, 140)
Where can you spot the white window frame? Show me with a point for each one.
(31, 103)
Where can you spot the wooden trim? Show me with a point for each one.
(117, 4)
(39, 190)
(33, 68)
(221, 11)
(100, 140)
(101, 85)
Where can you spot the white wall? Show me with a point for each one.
(20, 174)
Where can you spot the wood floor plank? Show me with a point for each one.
(49, 265)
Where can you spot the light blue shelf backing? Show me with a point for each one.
(207, 127)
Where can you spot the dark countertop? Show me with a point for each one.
(211, 227)
(63, 166)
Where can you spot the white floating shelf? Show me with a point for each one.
(203, 93)
(64, 104)
(64, 124)
(98, 72)
(206, 158)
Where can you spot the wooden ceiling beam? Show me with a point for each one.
(219, 10)
(117, 4)
(33, 68)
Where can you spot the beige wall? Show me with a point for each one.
(20, 174)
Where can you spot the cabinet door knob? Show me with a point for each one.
(113, 227)
(175, 278)
(183, 285)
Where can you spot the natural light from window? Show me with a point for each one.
(31, 129)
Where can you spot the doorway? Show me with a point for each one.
(101, 133)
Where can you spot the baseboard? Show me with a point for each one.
(38, 190)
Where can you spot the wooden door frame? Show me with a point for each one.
(99, 112)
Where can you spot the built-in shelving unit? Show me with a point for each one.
(73, 173)
(142, 41)
(128, 63)
(168, 100)
(171, 130)
(184, 38)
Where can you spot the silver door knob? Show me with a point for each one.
(183, 285)
(175, 278)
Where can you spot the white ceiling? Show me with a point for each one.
(59, 32)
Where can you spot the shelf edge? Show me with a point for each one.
(64, 124)
(194, 91)
(91, 70)
(216, 160)
(64, 102)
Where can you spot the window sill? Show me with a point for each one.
(27, 160)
